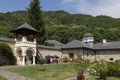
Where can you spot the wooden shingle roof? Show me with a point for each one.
(75, 44)
(56, 43)
(96, 46)
(48, 47)
(107, 45)
(6, 39)
(25, 29)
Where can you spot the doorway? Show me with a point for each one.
(71, 56)
(29, 57)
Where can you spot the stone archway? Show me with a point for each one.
(29, 56)
(19, 53)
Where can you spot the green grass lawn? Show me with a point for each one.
(52, 72)
(1, 78)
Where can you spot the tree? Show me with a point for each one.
(6, 55)
(35, 19)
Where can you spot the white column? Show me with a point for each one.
(33, 60)
(15, 39)
(24, 39)
(35, 41)
(23, 62)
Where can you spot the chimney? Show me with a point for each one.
(104, 41)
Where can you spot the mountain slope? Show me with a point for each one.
(64, 27)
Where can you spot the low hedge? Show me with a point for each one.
(6, 55)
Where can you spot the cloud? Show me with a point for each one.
(94, 7)
(68, 1)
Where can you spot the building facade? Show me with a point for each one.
(26, 50)
(108, 51)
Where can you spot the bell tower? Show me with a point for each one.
(25, 48)
(88, 38)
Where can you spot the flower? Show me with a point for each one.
(99, 68)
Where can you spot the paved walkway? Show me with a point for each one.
(10, 75)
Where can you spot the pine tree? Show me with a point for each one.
(35, 19)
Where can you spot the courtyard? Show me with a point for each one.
(48, 72)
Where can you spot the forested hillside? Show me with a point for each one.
(64, 27)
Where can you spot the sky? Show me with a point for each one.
(91, 7)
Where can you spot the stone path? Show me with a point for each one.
(10, 75)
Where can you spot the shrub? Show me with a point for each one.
(42, 62)
(42, 69)
(6, 55)
(65, 59)
(81, 65)
(99, 68)
(114, 68)
(39, 61)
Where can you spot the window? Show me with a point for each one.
(111, 59)
(87, 54)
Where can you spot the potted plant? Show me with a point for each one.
(80, 66)
(100, 69)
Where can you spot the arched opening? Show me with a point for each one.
(29, 56)
(19, 53)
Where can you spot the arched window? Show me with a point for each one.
(29, 55)
(19, 52)
(30, 52)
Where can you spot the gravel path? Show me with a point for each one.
(10, 75)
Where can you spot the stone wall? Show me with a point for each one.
(45, 52)
(89, 54)
(86, 53)
(108, 54)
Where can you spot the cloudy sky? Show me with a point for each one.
(92, 7)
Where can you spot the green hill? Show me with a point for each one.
(64, 27)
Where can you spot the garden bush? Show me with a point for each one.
(114, 69)
(105, 68)
(6, 55)
(65, 59)
(99, 68)
(81, 65)
(39, 61)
